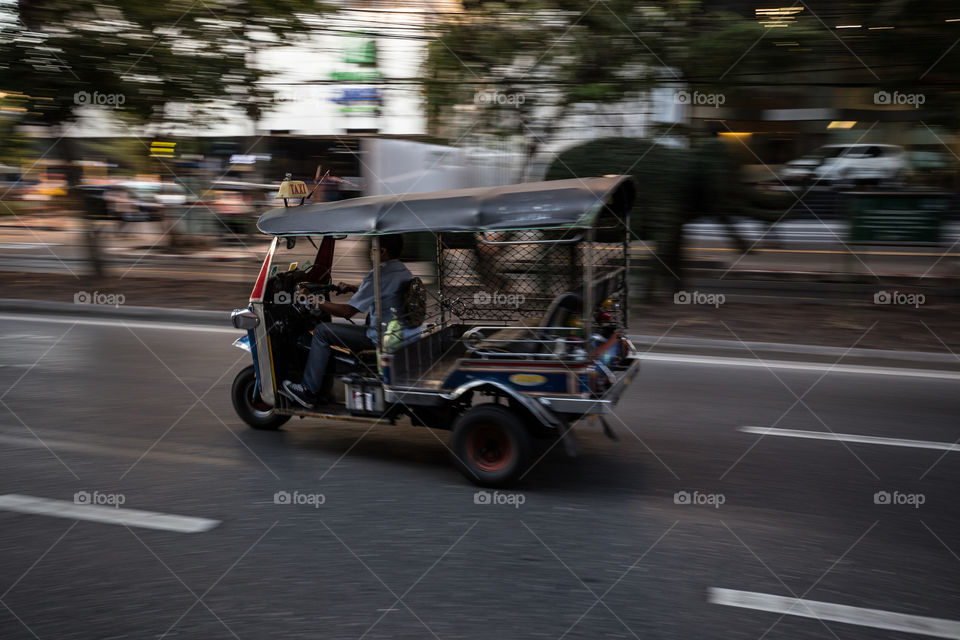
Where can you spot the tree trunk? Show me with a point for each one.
(87, 213)
(538, 141)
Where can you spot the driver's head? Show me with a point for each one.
(391, 246)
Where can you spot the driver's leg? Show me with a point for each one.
(317, 361)
(352, 337)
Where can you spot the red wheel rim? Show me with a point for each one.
(256, 401)
(489, 447)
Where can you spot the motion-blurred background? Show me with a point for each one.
(787, 457)
(795, 152)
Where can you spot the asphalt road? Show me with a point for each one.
(601, 546)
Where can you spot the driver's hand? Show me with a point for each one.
(343, 287)
(302, 292)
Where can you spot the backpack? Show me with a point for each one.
(413, 310)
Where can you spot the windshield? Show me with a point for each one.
(828, 152)
(301, 256)
(350, 263)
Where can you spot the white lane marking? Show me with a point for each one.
(804, 366)
(849, 437)
(134, 324)
(657, 357)
(124, 452)
(876, 618)
(107, 515)
(27, 245)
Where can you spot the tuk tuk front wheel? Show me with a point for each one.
(490, 445)
(250, 406)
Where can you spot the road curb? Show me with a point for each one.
(650, 343)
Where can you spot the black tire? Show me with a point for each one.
(248, 405)
(490, 445)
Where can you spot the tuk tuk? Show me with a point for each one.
(519, 322)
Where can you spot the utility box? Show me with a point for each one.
(896, 217)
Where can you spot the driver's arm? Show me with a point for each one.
(362, 299)
(339, 309)
(343, 287)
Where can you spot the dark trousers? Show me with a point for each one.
(349, 336)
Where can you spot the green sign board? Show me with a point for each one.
(372, 109)
(362, 52)
(356, 76)
(897, 217)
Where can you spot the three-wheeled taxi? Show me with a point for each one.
(520, 318)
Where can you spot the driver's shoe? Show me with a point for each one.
(298, 393)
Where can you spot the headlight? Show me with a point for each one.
(244, 319)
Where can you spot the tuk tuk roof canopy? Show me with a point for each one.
(573, 203)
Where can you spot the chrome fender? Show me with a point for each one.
(544, 415)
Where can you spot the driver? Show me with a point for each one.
(393, 275)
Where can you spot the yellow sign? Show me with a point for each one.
(293, 189)
(527, 379)
(162, 149)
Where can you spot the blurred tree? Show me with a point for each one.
(518, 67)
(676, 185)
(918, 55)
(15, 147)
(509, 67)
(177, 61)
(180, 52)
(513, 67)
(127, 153)
(521, 67)
(661, 174)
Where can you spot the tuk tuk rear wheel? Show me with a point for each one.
(490, 445)
(250, 406)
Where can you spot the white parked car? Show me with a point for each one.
(838, 164)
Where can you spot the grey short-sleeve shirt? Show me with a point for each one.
(393, 275)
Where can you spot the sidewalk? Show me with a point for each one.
(759, 303)
(796, 259)
(64, 235)
(816, 261)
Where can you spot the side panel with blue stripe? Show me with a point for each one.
(249, 343)
(256, 360)
(541, 382)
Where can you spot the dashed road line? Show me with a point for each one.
(826, 611)
(849, 437)
(123, 452)
(802, 366)
(107, 515)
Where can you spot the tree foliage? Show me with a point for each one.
(61, 54)
(674, 186)
(178, 60)
(559, 54)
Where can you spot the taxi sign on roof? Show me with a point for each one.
(293, 189)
